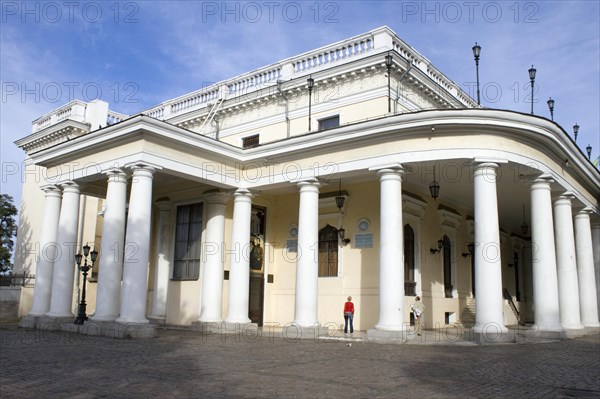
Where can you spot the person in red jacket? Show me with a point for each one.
(348, 316)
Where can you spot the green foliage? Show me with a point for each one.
(8, 230)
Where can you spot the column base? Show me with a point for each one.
(296, 331)
(387, 336)
(129, 321)
(51, 323)
(157, 320)
(29, 321)
(223, 327)
(490, 337)
(101, 318)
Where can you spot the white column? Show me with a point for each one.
(108, 297)
(568, 287)
(211, 304)
(307, 263)
(545, 281)
(596, 250)
(137, 247)
(239, 266)
(585, 269)
(47, 254)
(488, 266)
(391, 251)
(64, 266)
(162, 264)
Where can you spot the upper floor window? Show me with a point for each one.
(329, 123)
(250, 141)
(188, 232)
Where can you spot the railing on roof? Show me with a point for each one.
(114, 117)
(75, 110)
(333, 54)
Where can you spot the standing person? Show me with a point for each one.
(348, 316)
(418, 308)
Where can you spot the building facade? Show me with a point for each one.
(272, 196)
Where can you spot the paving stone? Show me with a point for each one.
(186, 364)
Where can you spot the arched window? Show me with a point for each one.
(447, 267)
(409, 261)
(328, 252)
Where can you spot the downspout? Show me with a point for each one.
(398, 87)
(287, 116)
(216, 121)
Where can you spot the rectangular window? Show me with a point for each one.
(188, 232)
(250, 141)
(329, 123)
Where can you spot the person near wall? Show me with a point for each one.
(418, 308)
(348, 316)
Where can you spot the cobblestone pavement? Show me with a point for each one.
(182, 364)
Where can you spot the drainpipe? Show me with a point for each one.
(398, 86)
(287, 116)
(217, 127)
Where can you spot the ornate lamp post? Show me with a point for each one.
(81, 316)
(575, 131)
(589, 151)
(476, 53)
(388, 64)
(551, 108)
(532, 72)
(311, 84)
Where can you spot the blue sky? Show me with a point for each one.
(136, 54)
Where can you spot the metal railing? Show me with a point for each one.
(17, 280)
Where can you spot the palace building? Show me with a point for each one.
(357, 169)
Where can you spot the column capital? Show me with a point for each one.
(308, 184)
(142, 166)
(242, 194)
(216, 197)
(70, 187)
(395, 167)
(564, 198)
(163, 203)
(584, 213)
(116, 175)
(51, 190)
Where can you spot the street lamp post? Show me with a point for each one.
(81, 316)
(589, 151)
(311, 84)
(388, 64)
(476, 54)
(575, 131)
(532, 72)
(551, 108)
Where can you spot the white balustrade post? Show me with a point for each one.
(568, 287)
(108, 296)
(137, 246)
(239, 266)
(488, 266)
(47, 251)
(162, 264)
(211, 304)
(391, 251)
(63, 276)
(585, 270)
(545, 280)
(307, 262)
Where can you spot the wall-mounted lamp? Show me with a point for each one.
(471, 249)
(439, 248)
(339, 202)
(434, 187)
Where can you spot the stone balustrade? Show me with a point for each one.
(378, 41)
